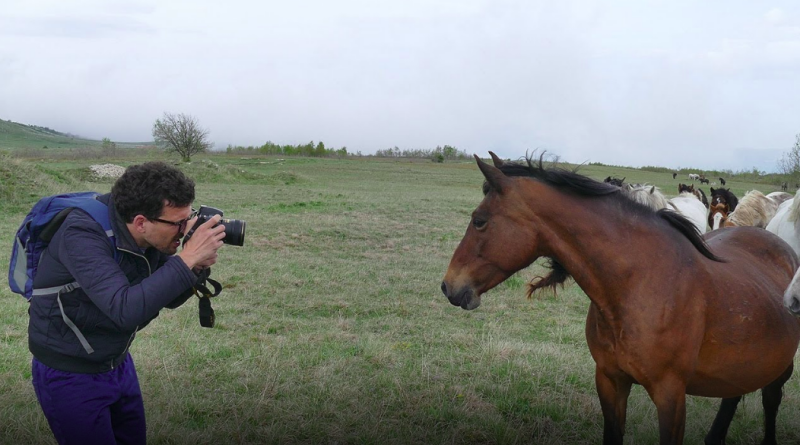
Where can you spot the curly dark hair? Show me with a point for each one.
(143, 189)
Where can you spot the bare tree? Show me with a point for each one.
(789, 164)
(181, 134)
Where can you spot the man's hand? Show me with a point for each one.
(201, 249)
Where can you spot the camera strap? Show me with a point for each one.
(204, 295)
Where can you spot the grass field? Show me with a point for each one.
(332, 328)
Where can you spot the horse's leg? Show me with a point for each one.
(669, 396)
(719, 429)
(771, 396)
(613, 394)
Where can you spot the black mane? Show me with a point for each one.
(570, 180)
(559, 177)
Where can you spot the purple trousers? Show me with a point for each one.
(92, 409)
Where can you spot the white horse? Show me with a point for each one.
(780, 197)
(786, 224)
(646, 194)
(690, 206)
(687, 204)
(693, 176)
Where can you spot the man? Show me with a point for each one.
(83, 375)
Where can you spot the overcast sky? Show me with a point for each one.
(712, 84)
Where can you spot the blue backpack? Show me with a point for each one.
(37, 230)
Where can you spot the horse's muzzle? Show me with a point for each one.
(791, 297)
(793, 304)
(464, 297)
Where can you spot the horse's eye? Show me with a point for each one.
(478, 223)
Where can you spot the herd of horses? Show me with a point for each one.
(698, 177)
(714, 313)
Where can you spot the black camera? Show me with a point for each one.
(234, 228)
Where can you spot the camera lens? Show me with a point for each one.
(234, 231)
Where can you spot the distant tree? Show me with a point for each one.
(449, 152)
(181, 134)
(320, 149)
(109, 146)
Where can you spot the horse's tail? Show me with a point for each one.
(689, 230)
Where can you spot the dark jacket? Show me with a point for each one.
(113, 300)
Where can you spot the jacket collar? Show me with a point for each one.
(123, 236)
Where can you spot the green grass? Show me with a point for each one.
(332, 327)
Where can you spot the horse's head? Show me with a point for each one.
(497, 243)
(718, 216)
(719, 196)
(685, 188)
(791, 298)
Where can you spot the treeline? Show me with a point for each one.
(438, 154)
(271, 148)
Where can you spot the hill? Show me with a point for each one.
(15, 136)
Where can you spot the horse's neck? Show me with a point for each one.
(596, 240)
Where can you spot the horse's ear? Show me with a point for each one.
(496, 179)
(497, 161)
(623, 179)
(653, 189)
(712, 189)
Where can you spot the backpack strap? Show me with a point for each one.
(86, 346)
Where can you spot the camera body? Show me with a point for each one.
(234, 228)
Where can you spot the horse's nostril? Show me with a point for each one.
(444, 288)
(795, 308)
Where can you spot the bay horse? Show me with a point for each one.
(705, 318)
(717, 215)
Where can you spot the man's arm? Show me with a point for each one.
(85, 252)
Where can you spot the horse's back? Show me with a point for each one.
(754, 248)
(750, 338)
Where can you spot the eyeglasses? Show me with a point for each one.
(181, 225)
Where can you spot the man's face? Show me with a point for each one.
(165, 232)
